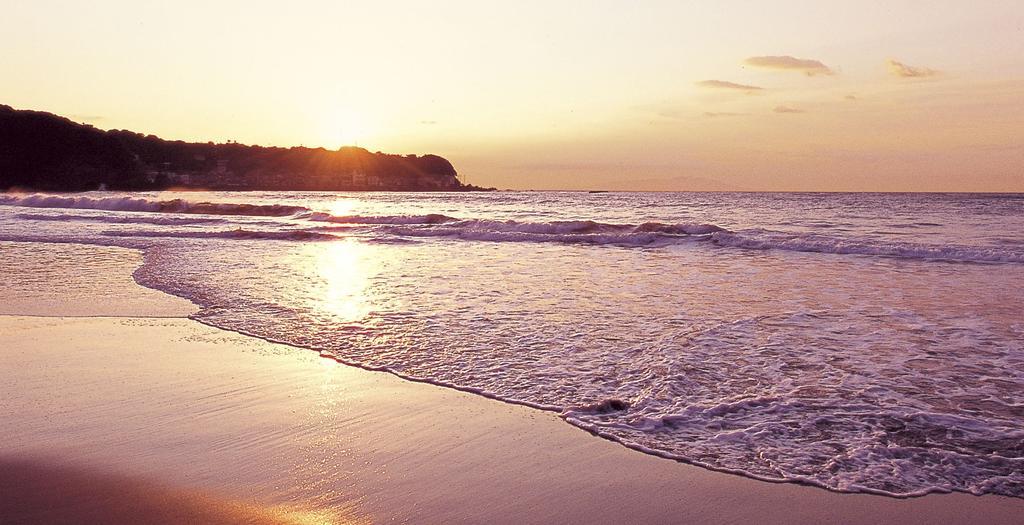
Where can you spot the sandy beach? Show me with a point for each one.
(149, 414)
(512, 263)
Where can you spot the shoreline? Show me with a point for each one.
(170, 399)
(556, 412)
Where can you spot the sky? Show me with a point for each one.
(647, 95)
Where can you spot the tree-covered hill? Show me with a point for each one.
(42, 151)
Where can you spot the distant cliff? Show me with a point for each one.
(43, 151)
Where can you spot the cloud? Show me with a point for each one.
(787, 63)
(428, 122)
(713, 114)
(851, 97)
(723, 84)
(787, 109)
(905, 71)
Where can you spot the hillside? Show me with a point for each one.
(42, 151)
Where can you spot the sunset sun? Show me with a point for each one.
(345, 128)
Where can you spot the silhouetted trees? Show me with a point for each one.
(46, 152)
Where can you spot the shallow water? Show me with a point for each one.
(861, 342)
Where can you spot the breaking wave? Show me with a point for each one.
(608, 239)
(655, 234)
(436, 225)
(568, 232)
(120, 219)
(148, 205)
(586, 227)
(430, 218)
(289, 235)
(821, 244)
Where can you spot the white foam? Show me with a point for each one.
(584, 227)
(609, 239)
(285, 235)
(137, 204)
(121, 219)
(430, 218)
(567, 232)
(820, 244)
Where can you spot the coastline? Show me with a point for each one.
(141, 391)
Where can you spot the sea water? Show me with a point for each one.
(859, 342)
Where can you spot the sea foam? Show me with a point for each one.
(841, 246)
(239, 234)
(120, 219)
(139, 204)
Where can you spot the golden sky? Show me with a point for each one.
(665, 95)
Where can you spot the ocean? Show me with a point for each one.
(857, 342)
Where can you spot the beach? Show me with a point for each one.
(135, 394)
(532, 263)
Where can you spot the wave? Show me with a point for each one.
(138, 204)
(656, 234)
(585, 227)
(430, 218)
(820, 244)
(119, 219)
(637, 239)
(581, 231)
(554, 227)
(436, 225)
(240, 234)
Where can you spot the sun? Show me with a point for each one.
(345, 128)
(349, 134)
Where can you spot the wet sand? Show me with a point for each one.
(147, 413)
(40, 492)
